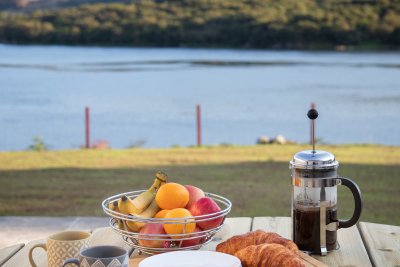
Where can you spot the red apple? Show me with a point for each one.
(153, 229)
(169, 244)
(194, 241)
(204, 206)
(195, 194)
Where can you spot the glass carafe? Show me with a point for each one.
(314, 201)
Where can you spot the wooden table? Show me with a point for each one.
(367, 244)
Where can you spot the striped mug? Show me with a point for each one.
(61, 246)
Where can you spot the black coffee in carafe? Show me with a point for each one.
(306, 228)
(314, 199)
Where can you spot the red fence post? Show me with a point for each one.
(312, 130)
(87, 127)
(198, 120)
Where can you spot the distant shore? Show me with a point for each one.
(327, 48)
(323, 48)
(321, 25)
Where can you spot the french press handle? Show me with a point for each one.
(355, 190)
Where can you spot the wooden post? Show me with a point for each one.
(312, 129)
(87, 127)
(198, 120)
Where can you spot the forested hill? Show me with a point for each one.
(212, 23)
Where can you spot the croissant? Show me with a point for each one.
(238, 242)
(268, 255)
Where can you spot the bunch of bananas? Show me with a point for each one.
(142, 206)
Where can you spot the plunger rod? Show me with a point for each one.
(312, 114)
(313, 135)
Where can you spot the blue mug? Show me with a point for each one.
(101, 256)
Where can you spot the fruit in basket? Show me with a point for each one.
(124, 226)
(152, 229)
(205, 206)
(195, 194)
(194, 241)
(133, 226)
(126, 206)
(121, 225)
(170, 244)
(171, 196)
(161, 214)
(113, 206)
(148, 213)
(142, 201)
(179, 226)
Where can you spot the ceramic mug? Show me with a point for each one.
(61, 246)
(101, 256)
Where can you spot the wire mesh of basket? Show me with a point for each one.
(166, 242)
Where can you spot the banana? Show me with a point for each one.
(133, 226)
(121, 225)
(124, 226)
(147, 213)
(113, 206)
(142, 201)
(161, 176)
(125, 205)
(143, 206)
(150, 211)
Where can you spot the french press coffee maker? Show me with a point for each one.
(314, 199)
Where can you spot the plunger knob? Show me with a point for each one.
(312, 114)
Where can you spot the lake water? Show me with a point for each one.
(149, 95)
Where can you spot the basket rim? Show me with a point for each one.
(199, 218)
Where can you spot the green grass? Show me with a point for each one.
(256, 179)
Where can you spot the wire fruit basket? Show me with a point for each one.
(170, 242)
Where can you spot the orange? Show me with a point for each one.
(171, 196)
(180, 226)
(161, 214)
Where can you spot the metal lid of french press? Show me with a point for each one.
(313, 159)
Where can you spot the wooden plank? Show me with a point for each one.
(310, 261)
(20, 259)
(382, 242)
(351, 253)
(134, 262)
(8, 252)
(233, 226)
(280, 225)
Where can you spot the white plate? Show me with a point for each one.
(191, 259)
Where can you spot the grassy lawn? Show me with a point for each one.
(255, 178)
